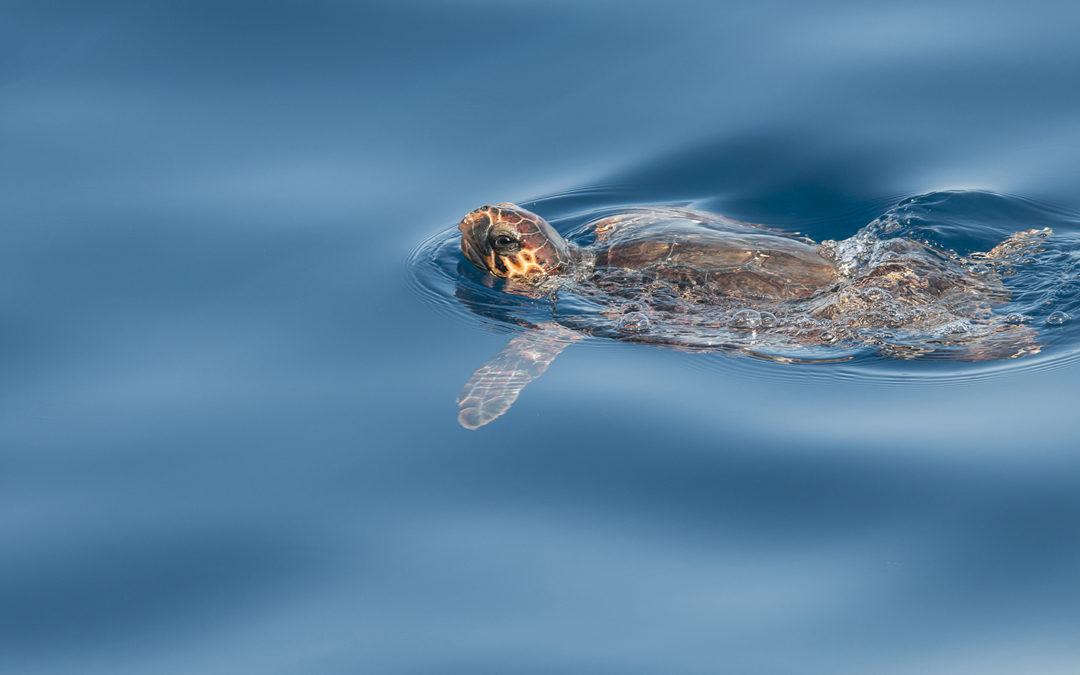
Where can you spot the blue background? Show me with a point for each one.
(227, 433)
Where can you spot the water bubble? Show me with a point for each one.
(1057, 318)
(958, 327)
(1015, 319)
(634, 322)
(768, 319)
(746, 318)
(891, 224)
(827, 337)
(979, 270)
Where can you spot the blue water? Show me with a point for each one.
(228, 439)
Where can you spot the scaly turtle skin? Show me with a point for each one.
(697, 274)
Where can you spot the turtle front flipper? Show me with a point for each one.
(1016, 250)
(1025, 242)
(495, 385)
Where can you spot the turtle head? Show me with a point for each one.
(510, 242)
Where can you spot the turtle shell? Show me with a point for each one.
(743, 264)
(700, 281)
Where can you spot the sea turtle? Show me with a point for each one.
(698, 280)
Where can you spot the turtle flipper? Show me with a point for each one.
(1026, 242)
(1015, 250)
(496, 384)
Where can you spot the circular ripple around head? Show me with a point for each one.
(428, 272)
(455, 288)
(1045, 291)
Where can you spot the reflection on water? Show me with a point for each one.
(227, 436)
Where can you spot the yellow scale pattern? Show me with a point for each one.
(520, 265)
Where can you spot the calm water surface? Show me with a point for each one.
(228, 439)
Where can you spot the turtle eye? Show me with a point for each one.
(503, 242)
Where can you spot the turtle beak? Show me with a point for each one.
(474, 228)
(470, 251)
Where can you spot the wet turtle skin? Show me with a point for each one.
(688, 279)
